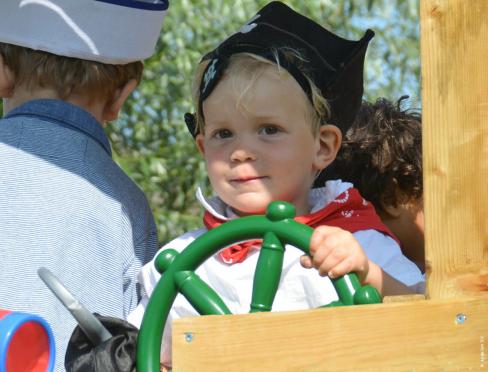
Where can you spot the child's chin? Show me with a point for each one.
(250, 210)
(250, 203)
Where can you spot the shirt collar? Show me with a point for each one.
(318, 198)
(64, 114)
(215, 206)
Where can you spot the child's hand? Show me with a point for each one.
(335, 252)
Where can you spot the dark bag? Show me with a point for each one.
(117, 354)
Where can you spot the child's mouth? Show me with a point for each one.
(247, 179)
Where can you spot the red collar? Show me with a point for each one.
(349, 211)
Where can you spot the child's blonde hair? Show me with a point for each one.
(251, 66)
(67, 76)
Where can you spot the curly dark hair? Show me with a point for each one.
(382, 154)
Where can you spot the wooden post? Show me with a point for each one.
(454, 50)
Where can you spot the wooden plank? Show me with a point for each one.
(454, 50)
(397, 336)
(403, 298)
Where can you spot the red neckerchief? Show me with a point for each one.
(349, 211)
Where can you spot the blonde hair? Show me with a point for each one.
(251, 66)
(67, 76)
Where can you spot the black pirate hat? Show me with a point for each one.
(334, 64)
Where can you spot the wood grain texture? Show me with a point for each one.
(403, 298)
(454, 50)
(420, 336)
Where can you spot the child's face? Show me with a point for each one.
(261, 148)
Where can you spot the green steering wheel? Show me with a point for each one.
(277, 228)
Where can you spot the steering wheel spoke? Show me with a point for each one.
(267, 274)
(199, 294)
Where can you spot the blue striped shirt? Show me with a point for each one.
(67, 206)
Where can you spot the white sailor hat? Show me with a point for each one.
(107, 31)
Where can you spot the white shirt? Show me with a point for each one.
(299, 288)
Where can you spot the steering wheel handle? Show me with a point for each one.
(277, 228)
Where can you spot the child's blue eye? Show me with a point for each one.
(222, 133)
(269, 129)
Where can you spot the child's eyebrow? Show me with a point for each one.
(216, 123)
(270, 117)
(267, 117)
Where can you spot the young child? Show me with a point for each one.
(271, 103)
(66, 68)
(382, 157)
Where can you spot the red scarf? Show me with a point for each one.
(349, 211)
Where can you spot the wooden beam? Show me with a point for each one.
(430, 334)
(454, 50)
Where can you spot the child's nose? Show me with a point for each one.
(242, 153)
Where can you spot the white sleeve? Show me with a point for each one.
(385, 252)
(149, 276)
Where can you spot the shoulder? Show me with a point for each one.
(386, 252)
(372, 238)
(121, 197)
(182, 241)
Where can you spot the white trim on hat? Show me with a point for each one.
(108, 31)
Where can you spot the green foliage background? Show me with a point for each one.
(150, 139)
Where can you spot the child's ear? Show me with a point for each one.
(7, 80)
(112, 108)
(329, 141)
(199, 140)
(391, 211)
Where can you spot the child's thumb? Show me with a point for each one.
(306, 261)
